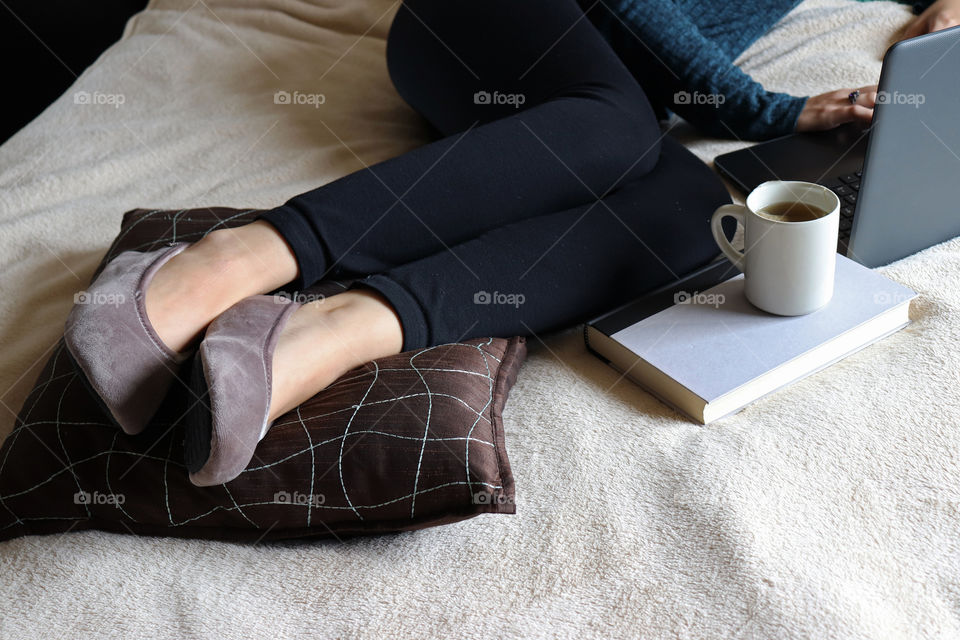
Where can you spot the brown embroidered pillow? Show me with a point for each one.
(405, 442)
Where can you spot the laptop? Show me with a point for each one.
(898, 181)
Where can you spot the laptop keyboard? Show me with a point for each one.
(847, 188)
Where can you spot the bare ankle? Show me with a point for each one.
(371, 310)
(325, 339)
(216, 272)
(256, 253)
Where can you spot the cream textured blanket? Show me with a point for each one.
(831, 509)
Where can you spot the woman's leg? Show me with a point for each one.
(540, 115)
(531, 276)
(556, 270)
(584, 128)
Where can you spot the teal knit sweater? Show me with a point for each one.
(696, 42)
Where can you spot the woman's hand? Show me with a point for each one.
(832, 109)
(942, 14)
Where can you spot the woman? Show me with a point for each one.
(549, 180)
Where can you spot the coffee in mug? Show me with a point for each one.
(792, 212)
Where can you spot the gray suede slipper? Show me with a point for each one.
(120, 358)
(232, 381)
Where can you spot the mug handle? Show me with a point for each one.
(734, 211)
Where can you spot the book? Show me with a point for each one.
(699, 346)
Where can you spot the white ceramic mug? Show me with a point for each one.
(788, 266)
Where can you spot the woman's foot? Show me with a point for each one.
(118, 356)
(266, 355)
(131, 331)
(213, 274)
(325, 339)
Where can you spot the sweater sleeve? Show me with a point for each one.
(709, 90)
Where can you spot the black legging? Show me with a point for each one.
(524, 218)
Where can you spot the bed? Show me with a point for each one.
(830, 509)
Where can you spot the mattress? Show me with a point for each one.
(829, 509)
